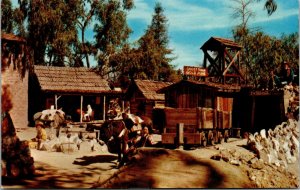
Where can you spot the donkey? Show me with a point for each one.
(115, 135)
(52, 118)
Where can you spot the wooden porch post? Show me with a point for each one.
(56, 98)
(253, 113)
(104, 107)
(55, 101)
(81, 101)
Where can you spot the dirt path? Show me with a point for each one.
(153, 168)
(161, 168)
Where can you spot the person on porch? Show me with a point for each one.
(88, 115)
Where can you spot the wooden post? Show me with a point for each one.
(205, 61)
(55, 101)
(104, 107)
(252, 113)
(180, 136)
(81, 101)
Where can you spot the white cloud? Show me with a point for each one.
(186, 55)
(184, 16)
(142, 11)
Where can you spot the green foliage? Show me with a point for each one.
(262, 54)
(153, 45)
(270, 6)
(111, 32)
(6, 16)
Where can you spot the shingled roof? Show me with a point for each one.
(70, 80)
(149, 88)
(219, 87)
(215, 43)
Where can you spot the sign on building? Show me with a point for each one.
(195, 71)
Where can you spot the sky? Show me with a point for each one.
(192, 22)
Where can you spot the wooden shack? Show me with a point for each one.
(192, 94)
(143, 96)
(144, 100)
(70, 88)
(257, 109)
(12, 57)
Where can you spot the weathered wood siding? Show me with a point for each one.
(197, 118)
(190, 97)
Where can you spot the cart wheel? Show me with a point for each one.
(220, 137)
(226, 136)
(210, 138)
(204, 142)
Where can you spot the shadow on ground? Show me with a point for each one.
(88, 160)
(161, 168)
(48, 176)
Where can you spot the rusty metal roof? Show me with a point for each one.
(12, 37)
(215, 43)
(70, 80)
(149, 88)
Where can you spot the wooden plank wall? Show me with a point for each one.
(190, 97)
(197, 118)
(224, 103)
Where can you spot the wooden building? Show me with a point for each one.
(12, 61)
(70, 88)
(256, 109)
(192, 94)
(144, 98)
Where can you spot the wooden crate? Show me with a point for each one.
(207, 119)
(224, 120)
(174, 116)
(168, 138)
(192, 138)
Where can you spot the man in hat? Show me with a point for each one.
(41, 135)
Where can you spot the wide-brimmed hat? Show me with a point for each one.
(39, 123)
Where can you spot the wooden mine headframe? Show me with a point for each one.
(224, 60)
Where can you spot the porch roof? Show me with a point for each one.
(71, 80)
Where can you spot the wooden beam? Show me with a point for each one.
(104, 99)
(81, 101)
(55, 101)
(252, 112)
(213, 63)
(231, 63)
(205, 61)
(236, 69)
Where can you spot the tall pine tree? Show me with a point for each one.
(154, 46)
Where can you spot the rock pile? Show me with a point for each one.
(279, 146)
(274, 151)
(64, 143)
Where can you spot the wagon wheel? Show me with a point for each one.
(215, 136)
(226, 136)
(203, 139)
(220, 137)
(210, 137)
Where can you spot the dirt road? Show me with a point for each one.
(153, 168)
